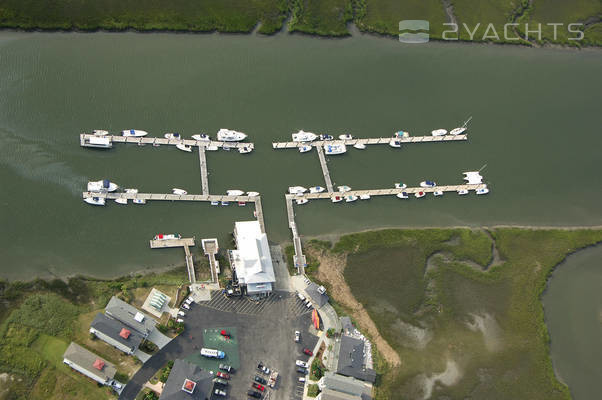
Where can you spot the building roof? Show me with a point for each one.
(252, 259)
(89, 361)
(130, 316)
(116, 331)
(187, 382)
(346, 385)
(318, 298)
(328, 394)
(351, 360)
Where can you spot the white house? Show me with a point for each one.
(89, 364)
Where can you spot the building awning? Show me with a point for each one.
(125, 333)
(99, 364)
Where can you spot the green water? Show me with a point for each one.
(573, 309)
(536, 125)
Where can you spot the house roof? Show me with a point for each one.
(116, 331)
(351, 360)
(346, 385)
(89, 361)
(328, 394)
(130, 316)
(317, 297)
(252, 259)
(183, 372)
(346, 324)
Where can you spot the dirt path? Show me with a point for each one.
(331, 271)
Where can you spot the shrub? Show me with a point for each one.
(313, 390)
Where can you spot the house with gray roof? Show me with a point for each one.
(318, 296)
(130, 316)
(346, 387)
(89, 364)
(352, 360)
(328, 394)
(115, 333)
(187, 381)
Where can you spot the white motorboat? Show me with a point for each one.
(95, 201)
(245, 149)
(102, 142)
(121, 200)
(212, 148)
(139, 201)
(395, 143)
(214, 203)
(325, 137)
(345, 136)
(482, 191)
(172, 136)
(301, 201)
(364, 197)
(303, 136)
(102, 186)
(252, 194)
(168, 236)
(179, 191)
(427, 184)
(401, 134)
(403, 195)
(184, 147)
(225, 203)
(235, 192)
(333, 149)
(473, 177)
(439, 132)
(336, 199)
(350, 198)
(100, 132)
(304, 148)
(134, 133)
(201, 137)
(400, 185)
(228, 135)
(438, 193)
(419, 195)
(461, 129)
(359, 146)
(462, 192)
(316, 189)
(344, 188)
(296, 189)
(131, 190)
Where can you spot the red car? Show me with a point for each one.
(223, 375)
(225, 334)
(308, 352)
(258, 386)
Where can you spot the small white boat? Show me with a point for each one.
(225, 203)
(364, 197)
(95, 201)
(438, 193)
(172, 136)
(212, 148)
(336, 199)
(359, 146)
(427, 184)
(100, 132)
(102, 142)
(179, 191)
(419, 195)
(439, 132)
(245, 149)
(403, 195)
(401, 134)
(304, 148)
(201, 137)
(350, 198)
(301, 201)
(344, 188)
(134, 133)
(297, 190)
(102, 186)
(473, 177)
(252, 194)
(325, 137)
(400, 185)
(333, 149)
(169, 236)
(316, 189)
(303, 136)
(214, 203)
(228, 135)
(131, 190)
(184, 147)
(460, 130)
(121, 200)
(395, 143)
(139, 201)
(482, 191)
(462, 192)
(235, 192)
(345, 136)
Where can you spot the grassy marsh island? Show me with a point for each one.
(460, 308)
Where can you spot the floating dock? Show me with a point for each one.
(204, 172)
(169, 196)
(84, 140)
(387, 140)
(387, 192)
(186, 243)
(325, 171)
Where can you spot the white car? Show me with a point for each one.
(302, 379)
(181, 313)
(186, 306)
(189, 300)
(297, 336)
(219, 392)
(180, 320)
(300, 363)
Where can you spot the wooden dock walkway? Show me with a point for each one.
(298, 258)
(170, 197)
(259, 212)
(370, 141)
(387, 192)
(204, 172)
(190, 265)
(183, 242)
(84, 141)
(324, 166)
(211, 248)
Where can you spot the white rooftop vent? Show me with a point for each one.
(321, 290)
(139, 317)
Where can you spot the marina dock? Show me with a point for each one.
(211, 248)
(387, 192)
(259, 212)
(298, 258)
(325, 171)
(169, 196)
(84, 140)
(204, 172)
(387, 140)
(186, 243)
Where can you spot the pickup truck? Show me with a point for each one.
(273, 379)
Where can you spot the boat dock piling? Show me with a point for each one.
(211, 248)
(186, 243)
(370, 141)
(204, 172)
(298, 258)
(325, 171)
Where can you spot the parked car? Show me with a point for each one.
(258, 386)
(186, 306)
(219, 381)
(223, 375)
(225, 367)
(308, 352)
(297, 336)
(263, 368)
(189, 300)
(254, 393)
(219, 392)
(259, 379)
(181, 313)
(179, 320)
(301, 370)
(301, 297)
(300, 363)
(302, 379)
(225, 334)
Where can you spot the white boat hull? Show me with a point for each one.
(365, 197)
(99, 186)
(419, 195)
(235, 192)
(351, 198)
(252, 194)
(139, 201)
(121, 201)
(400, 186)
(334, 149)
(95, 201)
(336, 199)
(303, 136)
(100, 132)
(359, 146)
(201, 137)
(179, 191)
(439, 132)
(301, 201)
(402, 195)
(184, 147)
(227, 135)
(395, 143)
(457, 131)
(345, 137)
(316, 189)
(344, 188)
(172, 136)
(297, 190)
(134, 133)
(424, 184)
(304, 149)
(462, 192)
